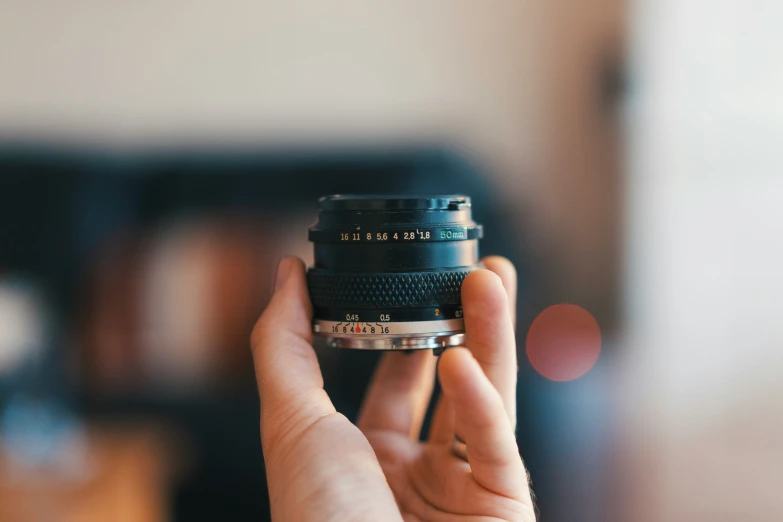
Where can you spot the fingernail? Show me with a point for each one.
(283, 271)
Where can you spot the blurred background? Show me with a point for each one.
(157, 159)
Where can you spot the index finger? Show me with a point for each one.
(508, 276)
(442, 428)
(489, 333)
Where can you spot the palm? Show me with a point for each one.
(430, 483)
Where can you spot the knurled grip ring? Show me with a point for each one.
(386, 290)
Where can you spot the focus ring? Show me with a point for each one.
(388, 290)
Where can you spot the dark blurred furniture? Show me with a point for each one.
(58, 207)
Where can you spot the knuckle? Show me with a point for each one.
(501, 266)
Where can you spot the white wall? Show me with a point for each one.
(705, 250)
(345, 71)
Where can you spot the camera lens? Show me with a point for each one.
(388, 270)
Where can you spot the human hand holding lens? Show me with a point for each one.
(322, 467)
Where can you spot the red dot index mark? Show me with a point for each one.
(357, 329)
(564, 342)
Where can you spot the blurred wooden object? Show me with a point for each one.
(171, 308)
(575, 198)
(129, 472)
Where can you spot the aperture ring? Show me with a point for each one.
(390, 290)
(396, 234)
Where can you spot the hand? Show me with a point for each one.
(322, 467)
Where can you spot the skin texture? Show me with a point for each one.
(322, 467)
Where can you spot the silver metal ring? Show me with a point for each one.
(402, 336)
(374, 329)
(398, 343)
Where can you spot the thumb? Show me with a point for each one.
(290, 384)
(319, 465)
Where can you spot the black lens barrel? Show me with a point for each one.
(392, 252)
